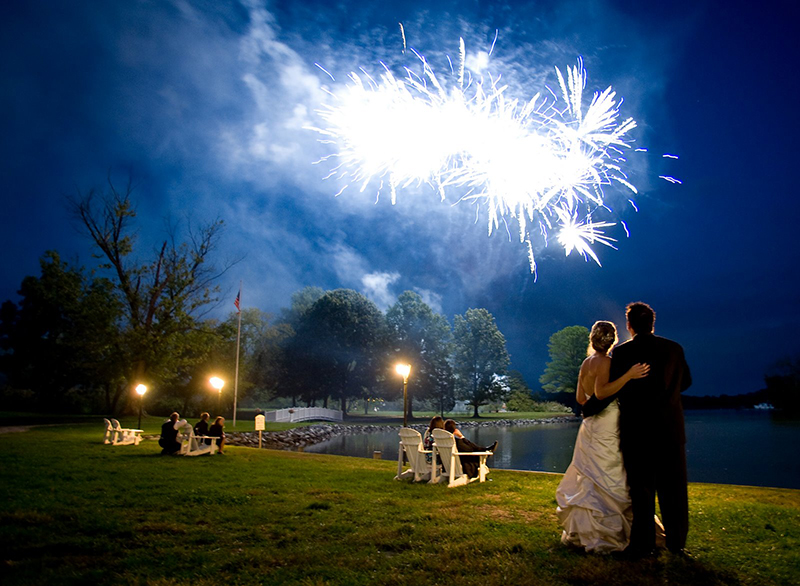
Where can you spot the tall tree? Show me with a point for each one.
(480, 356)
(443, 395)
(63, 335)
(162, 298)
(293, 357)
(339, 347)
(423, 339)
(520, 397)
(260, 353)
(259, 362)
(302, 301)
(567, 349)
(207, 353)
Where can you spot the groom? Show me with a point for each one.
(651, 429)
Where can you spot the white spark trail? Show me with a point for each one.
(325, 71)
(496, 32)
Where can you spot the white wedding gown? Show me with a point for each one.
(593, 503)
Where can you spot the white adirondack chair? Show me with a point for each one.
(110, 435)
(125, 436)
(444, 444)
(193, 445)
(411, 445)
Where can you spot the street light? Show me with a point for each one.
(141, 389)
(217, 383)
(404, 370)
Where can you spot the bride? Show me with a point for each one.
(593, 503)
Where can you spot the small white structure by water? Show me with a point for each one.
(764, 406)
(303, 414)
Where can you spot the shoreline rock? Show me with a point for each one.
(300, 437)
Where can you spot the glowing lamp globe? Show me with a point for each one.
(403, 370)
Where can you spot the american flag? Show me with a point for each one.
(236, 303)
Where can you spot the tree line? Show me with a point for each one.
(83, 338)
(568, 349)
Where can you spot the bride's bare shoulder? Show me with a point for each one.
(593, 362)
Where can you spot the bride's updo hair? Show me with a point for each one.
(603, 336)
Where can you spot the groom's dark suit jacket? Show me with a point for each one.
(652, 438)
(650, 407)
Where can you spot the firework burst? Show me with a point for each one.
(544, 162)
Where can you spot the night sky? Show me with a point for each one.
(205, 104)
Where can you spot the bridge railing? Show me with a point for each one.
(303, 414)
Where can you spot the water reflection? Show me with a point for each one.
(546, 447)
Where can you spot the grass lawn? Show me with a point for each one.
(75, 511)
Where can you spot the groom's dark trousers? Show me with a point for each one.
(652, 438)
(470, 465)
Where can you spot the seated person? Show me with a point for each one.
(469, 464)
(437, 422)
(201, 427)
(216, 431)
(169, 435)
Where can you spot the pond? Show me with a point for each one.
(748, 447)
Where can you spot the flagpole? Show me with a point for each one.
(236, 376)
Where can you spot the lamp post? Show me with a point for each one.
(404, 370)
(141, 389)
(217, 383)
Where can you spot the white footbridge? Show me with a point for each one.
(303, 414)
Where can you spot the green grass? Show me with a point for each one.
(74, 511)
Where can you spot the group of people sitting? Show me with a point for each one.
(170, 430)
(469, 464)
